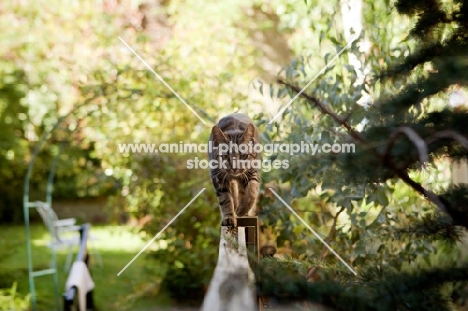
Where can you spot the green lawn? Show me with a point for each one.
(134, 289)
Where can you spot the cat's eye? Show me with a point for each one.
(244, 156)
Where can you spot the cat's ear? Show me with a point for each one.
(218, 135)
(249, 134)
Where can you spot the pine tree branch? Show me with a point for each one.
(434, 226)
(418, 290)
(414, 137)
(384, 159)
(448, 134)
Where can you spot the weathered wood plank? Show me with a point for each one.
(251, 232)
(232, 287)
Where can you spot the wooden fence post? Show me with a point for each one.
(232, 287)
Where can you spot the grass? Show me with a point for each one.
(134, 289)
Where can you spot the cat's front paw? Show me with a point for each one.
(229, 221)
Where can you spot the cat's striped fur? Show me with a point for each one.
(236, 186)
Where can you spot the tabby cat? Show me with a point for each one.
(236, 183)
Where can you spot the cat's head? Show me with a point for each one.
(234, 149)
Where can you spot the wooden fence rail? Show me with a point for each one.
(232, 287)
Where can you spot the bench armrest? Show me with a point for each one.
(65, 222)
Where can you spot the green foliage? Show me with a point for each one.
(83, 70)
(367, 203)
(375, 288)
(437, 226)
(11, 301)
(38, 86)
(456, 201)
(13, 125)
(370, 203)
(188, 275)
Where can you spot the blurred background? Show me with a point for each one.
(64, 58)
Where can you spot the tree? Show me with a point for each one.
(403, 246)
